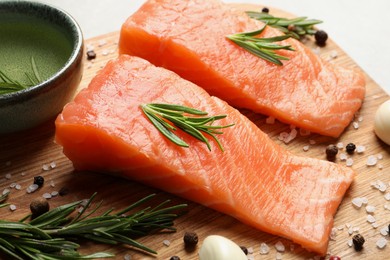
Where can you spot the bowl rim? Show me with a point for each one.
(77, 46)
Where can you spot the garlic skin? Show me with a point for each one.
(216, 247)
(382, 122)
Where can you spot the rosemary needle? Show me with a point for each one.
(295, 27)
(160, 114)
(52, 235)
(262, 47)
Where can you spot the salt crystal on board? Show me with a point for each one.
(18, 187)
(343, 156)
(250, 250)
(371, 160)
(381, 243)
(384, 231)
(357, 202)
(375, 225)
(340, 145)
(46, 195)
(127, 257)
(264, 249)
(370, 218)
(306, 148)
(379, 156)
(364, 200)
(370, 209)
(32, 188)
(349, 162)
(5, 191)
(350, 243)
(360, 149)
(53, 165)
(279, 256)
(166, 242)
(279, 246)
(8, 176)
(12, 207)
(355, 125)
(46, 167)
(387, 196)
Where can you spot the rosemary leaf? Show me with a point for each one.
(160, 114)
(295, 27)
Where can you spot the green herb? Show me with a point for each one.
(262, 47)
(161, 114)
(296, 27)
(52, 235)
(9, 85)
(3, 198)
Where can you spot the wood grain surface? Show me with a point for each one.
(24, 155)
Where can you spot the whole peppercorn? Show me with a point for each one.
(91, 55)
(350, 148)
(190, 239)
(321, 37)
(175, 257)
(334, 257)
(244, 249)
(38, 207)
(331, 152)
(39, 180)
(358, 241)
(265, 10)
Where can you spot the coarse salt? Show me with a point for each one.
(379, 156)
(349, 162)
(306, 148)
(8, 176)
(279, 246)
(384, 231)
(46, 167)
(12, 207)
(357, 202)
(387, 196)
(375, 225)
(250, 250)
(381, 243)
(53, 165)
(264, 249)
(46, 195)
(370, 218)
(12, 185)
(360, 149)
(333, 234)
(343, 156)
(54, 193)
(18, 187)
(333, 54)
(355, 125)
(371, 160)
(166, 242)
(350, 243)
(340, 145)
(127, 257)
(370, 209)
(32, 188)
(279, 256)
(102, 43)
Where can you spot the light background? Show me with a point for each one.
(360, 27)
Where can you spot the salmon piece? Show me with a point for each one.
(254, 179)
(189, 38)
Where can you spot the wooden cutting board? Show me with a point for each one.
(24, 155)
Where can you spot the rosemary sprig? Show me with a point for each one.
(53, 234)
(296, 27)
(161, 114)
(3, 198)
(262, 47)
(9, 85)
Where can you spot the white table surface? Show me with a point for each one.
(359, 27)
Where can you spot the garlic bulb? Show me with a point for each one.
(382, 122)
(216, 247)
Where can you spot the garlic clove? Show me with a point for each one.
(382, 122)
(216, 247)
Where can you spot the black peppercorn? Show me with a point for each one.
(331, 152)
(265, 10)
(38, 207)
(358, 241)
(244, 249)
(174, 258)
(190, 239)
(91, 55)
(350, 148)
(321, 37)
(39, 180)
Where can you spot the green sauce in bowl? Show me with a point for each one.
(24, 37)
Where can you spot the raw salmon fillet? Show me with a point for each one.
(253, 180)
(189, 38)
